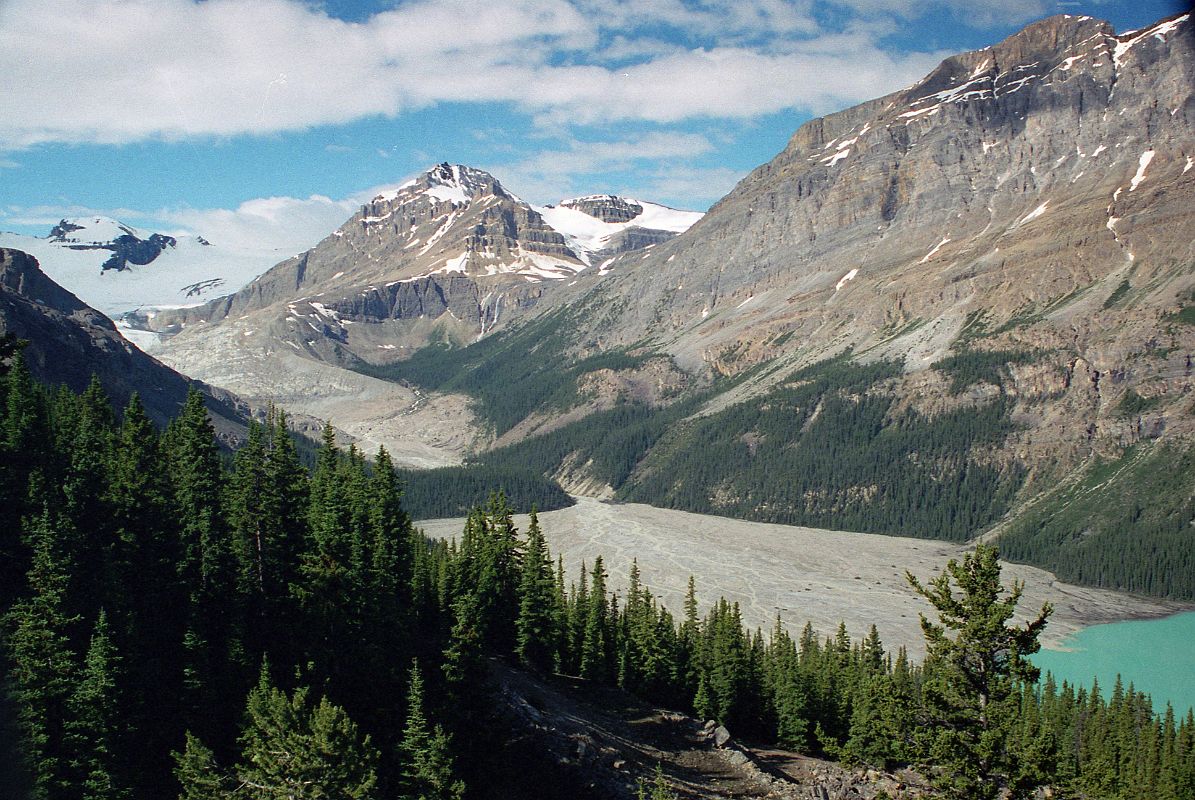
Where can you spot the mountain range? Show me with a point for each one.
(964, 308)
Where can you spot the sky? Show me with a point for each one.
(264, 124)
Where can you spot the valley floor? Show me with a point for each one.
(804, 574)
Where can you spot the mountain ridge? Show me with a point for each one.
(68, 342)
(986, 274)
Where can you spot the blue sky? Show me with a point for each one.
(268, 121)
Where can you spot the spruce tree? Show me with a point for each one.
(597, 653)
(41, 667)
(95, 719)
(536, 622)
(198, 773)
(426, 751)
(975, 665)
(293, 751)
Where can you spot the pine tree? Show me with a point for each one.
(536, 624)
(426, 751)
(293, 752)
(42, 669)
(207, 570)
(148, 610)
(597, 652)
(973, 686)
(198, 774)
(94, 719)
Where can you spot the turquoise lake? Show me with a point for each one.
(1157, 656)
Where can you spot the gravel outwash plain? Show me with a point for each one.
(804, 574)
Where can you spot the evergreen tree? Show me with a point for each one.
(148, 609)
(536, 624)
(42, 669)
(94, 719)
(974, 676)
(597, 653)
(426, 751)
(198, 774)
(293, 752)
(207, 571)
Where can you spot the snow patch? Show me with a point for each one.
(456, 264)
(449, 194)
(1190, 163)
(830, 161)
(586, 234)
(1142, 164)
(850, 276)
(931, 253)
(1034, 214)
(1158, 32)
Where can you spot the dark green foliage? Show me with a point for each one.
(511, 373)
(93, 713)
(426, 750)
(975, 667)
(202, 572)
(610, 442)
(817, 451)
(454, 491)
(969, 367)
(597, 639)
(824, 450)
(42, 667)
(290, 750)
(1091, 531)
(538, 623)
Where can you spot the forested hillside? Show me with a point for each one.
(176, 626)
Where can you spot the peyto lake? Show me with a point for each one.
(1157, 656)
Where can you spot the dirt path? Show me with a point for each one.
(802, 574)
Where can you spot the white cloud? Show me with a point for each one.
(285, 225)
(118, 71)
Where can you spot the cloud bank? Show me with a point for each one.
(121, 71)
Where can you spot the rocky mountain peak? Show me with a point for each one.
(21, 274)
(455, 184)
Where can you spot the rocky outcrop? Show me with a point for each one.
(126, 248)
(605, 207)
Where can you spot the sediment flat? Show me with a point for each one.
(802, 574)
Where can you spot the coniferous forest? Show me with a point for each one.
(180, 624)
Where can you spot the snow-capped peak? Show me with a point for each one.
(93, 231)
(448, 183)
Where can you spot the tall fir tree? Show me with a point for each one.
(536, 624)
(94, 723)
(42, 670)
(975, 665)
